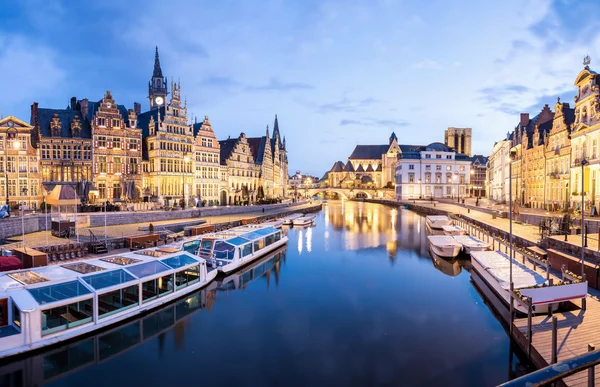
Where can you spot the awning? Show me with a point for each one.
(10, 263)
(63, 195)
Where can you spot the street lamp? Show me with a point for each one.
(457, 187)
(11, 133)
(23, 215)
(420, 189)
(471, 182)
(45, 193)
(584, 162)
(186, 160)
(510, 235)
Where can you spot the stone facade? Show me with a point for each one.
(207, 163)
(241, 170)
(459, 139)
(558, 157)
(19, 163)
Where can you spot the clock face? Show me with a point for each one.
(11, 124)
(159, 100)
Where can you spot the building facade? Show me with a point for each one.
(459, 139)
(558, 157)
(207, 179)
(498, 171)
(432, 171)
(19, 163)
(479, 166)
(238, 164)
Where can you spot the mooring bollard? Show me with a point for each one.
(591, 370)
(554, 340)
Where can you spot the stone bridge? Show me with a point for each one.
(351, 193)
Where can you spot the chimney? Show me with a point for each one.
(34, 114)
(524, 119)
(137, 108)
(73, 103)
(84, 108)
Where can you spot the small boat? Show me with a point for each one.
(435, 223)
(494, 267)
(287, 220)
(274, 223)
(453, 230)
(231, 249)
(470, 243)
(444, 246)
(304, 220)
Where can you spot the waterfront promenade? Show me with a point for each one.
(576, 328)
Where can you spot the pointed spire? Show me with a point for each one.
(157, 70)
(267, 131)
(276, 127)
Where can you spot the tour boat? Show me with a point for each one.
(47, 305)
(444, 246)
(304, 220)
(494, 268)
(470, 243)
(450, 229)
(273, 223)
(231, 249)
(287, 220)
(435, 222)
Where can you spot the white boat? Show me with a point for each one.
(444, 246)
(231, 249)
(304, 220)
(51, 304)
(435, 222)
(494, 268)
(453, 230)
(287, 220)
(274, 223)
(470, 243)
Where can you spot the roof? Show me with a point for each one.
(338, 166)
(157, 70)
(438, 146)
(480, 159)
(364, 152)
(370, 168)
(366, 179)
(143, 120)
(325, 176)
(348, 167)
(66, 116)
(257, 147)
(226, 149)
(360, 168)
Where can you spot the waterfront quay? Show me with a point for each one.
(576, 328)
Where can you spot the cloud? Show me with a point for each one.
(427, 64)
(373, 122)
(347, 105)
(220, 82)
(277, 85)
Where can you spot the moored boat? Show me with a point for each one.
(494, 268)
(287, 220)
(231, 249)
(46, 305)
(304, 220)
(444, 246)
(273, 223)
(450, 229)
(470, 243)
(435, 222)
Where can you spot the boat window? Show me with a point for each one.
(3, 312)
(266, 231)
(147, 269)
(121, 260)
(259, 244)
(246, 250)
(157, 287)
(28, 277)
(187, 277)
(223, 250)
(58, 292)
(192, 247)
(111, 278)
(117, 300)
(16, 315)
(277, 236)
(237, 241)
(179, 261)
(67, 316)
(206, 247)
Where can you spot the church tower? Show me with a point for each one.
(157, 87)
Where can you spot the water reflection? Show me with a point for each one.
(171, 319)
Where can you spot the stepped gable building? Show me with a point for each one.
(369, 166)
(558, 157)
(168, 146)
(479, 164)
(95, 141)
(207, 179)
(238, 165)
(458, 139)
(19, 163)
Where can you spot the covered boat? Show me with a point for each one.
(494, 268)
(436, 222)
(470, 243)
(287, 220)
(444, 246)
(453, 230)
(304, 220)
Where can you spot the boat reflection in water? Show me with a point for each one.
(450, 267)
(51, 365)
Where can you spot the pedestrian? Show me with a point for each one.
(263, 210)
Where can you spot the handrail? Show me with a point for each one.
(556, 372)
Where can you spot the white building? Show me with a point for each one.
(432, 171)
(499, 165)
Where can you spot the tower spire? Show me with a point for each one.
(157, 70)
(276, 128)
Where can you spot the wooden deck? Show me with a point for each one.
(576, 329)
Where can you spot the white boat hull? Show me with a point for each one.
(230, 267)
(445, 252)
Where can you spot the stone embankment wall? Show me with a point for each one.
(13, 226)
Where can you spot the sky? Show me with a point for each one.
(336, 72)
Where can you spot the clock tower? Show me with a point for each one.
(157, 88)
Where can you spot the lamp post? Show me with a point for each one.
(11, 133)
(457, 186)
(24, 191)
(584, 162)
(510, 235)
(186, 160)
(420, 189)
(471, 181)
(45, 193)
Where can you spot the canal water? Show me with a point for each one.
(355, 300)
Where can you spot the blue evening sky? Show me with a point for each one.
(337, 73)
